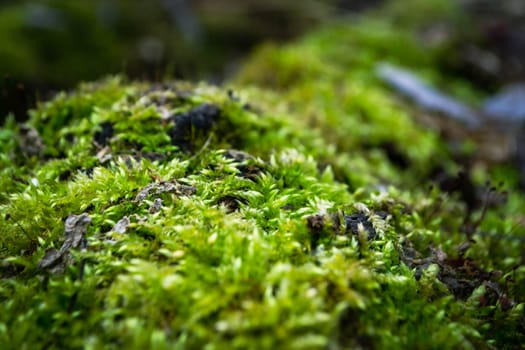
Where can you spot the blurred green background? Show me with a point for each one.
(49, 45)
(53, 44)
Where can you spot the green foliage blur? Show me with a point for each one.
(55, 44)
(62, 42)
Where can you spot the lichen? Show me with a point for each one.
(301, 217)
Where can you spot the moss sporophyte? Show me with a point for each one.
(311, 214)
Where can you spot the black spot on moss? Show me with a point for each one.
(315, 223)
(461, 183)
(132, 146)
(65, 175)
(353, 222)
(395, 156)
(238, 156)
(8, 270)
(104, 134)
(145, 233)
(137, 156)
(232, 95)
(232, 203)
(247, 165)
(69, 137)
(324, 225)
(316, 226)
(350, 332)
(194, 124)
(182, 94)
(460, 275)
(89, 172)
(30, 141)
(382, 214)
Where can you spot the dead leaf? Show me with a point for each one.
(122, 225)
(56, 261)
(156, 206)
(165, 186)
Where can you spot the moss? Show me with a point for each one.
(246, 218)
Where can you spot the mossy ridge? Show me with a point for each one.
(237, 262)
(328, 78)
(261, 252)
(335, 90)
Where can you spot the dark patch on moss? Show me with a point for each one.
(8, 270)
(382, 214)
(474, 196)
(232, 95)
(247, 164)
(460, 275)
(288, 207)
(89, 172)
(150, 156)
(238, 156)
(181, 94)
(315, 223)
(354, 221)
(460, 183)
(145, 233)
(395, 156)
(65, 175)
(69, 137)
(232, 203)
(132, 146)
(349, 334)
(30, 141)
(104, 134)
(194, 124)
(320, 224)
(316, 226)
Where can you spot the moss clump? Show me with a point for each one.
(187, 216)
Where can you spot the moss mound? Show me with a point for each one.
(190, 216)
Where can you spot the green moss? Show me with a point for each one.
(252, 219)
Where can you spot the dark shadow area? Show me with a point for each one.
(55, 44)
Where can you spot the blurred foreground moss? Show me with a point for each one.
(296, 217)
